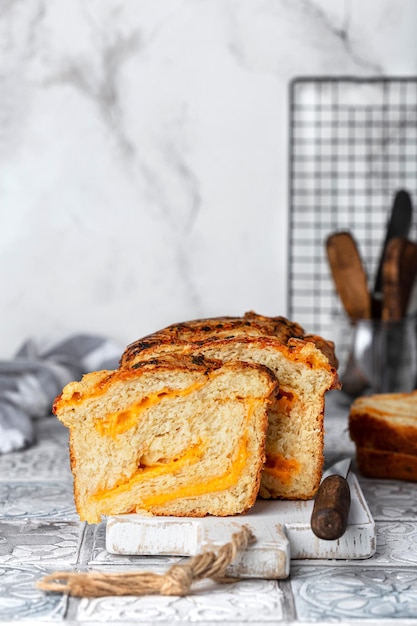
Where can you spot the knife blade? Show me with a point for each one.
(332, 503)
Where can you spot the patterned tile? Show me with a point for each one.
(44, 463)
(37, 500)
(352, 593)
(241, 602)
(40, 542)
(396, 544)
(20, 600)
(390, 500)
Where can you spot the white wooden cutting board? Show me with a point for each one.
(282, 530)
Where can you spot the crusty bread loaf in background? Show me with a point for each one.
(305, 367)
(384, 430)
(177, 435)
(386, 464)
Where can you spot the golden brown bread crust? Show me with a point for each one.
(368, 431)
(384, 430)
(197, 332)
(385, 422)
(386, 464)
(96, 383)
(328, 349)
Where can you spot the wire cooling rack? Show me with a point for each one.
(353, 144)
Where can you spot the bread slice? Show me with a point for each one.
(386, 464)
(386, 421)
(384, 430)
(305, 368)
(177, 435)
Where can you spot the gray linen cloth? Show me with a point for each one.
(30, 382)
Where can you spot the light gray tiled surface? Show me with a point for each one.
(40, 532)
(241, 602)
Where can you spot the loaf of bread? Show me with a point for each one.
(175, 435)
(305, 368)
(384, 430)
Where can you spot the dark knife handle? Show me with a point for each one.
(331, 508)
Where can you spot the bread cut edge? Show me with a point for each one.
(92, 482)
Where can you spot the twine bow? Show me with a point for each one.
(176, 581)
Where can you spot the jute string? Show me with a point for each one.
(176, 581)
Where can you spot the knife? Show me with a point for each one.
(398, 225)
(398, 275)
(349, 274)
(332, 503)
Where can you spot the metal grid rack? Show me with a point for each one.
(353, 144)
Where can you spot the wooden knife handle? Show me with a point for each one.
(399, 270)
(331, 508)
(349, 275)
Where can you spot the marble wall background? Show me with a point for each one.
(143, 152)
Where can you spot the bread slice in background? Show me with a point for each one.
(177, 435)
(386, 421)
(386, 464)
(384, 430)
(305, 368)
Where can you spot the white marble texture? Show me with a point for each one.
(143, 152)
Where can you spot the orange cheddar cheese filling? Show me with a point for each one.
(192, 455)
(285, 400)
(218, 483)
(226, 480)
(119, 422)
(280, 467)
